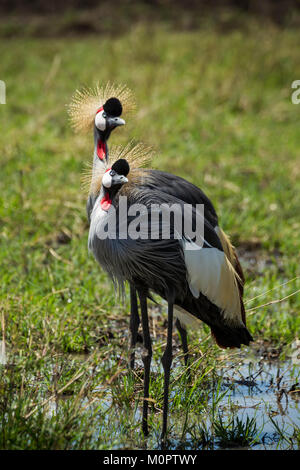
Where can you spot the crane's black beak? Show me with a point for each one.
(113, 122)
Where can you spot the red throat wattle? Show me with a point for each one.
(101, 149)
(105, 202)
(101, 145)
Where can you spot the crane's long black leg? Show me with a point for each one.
(166, 362)
(183, 337)
(134, 324)
(147, 355)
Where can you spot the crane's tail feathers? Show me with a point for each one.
(226, 244)
(231, 337)
(230, 296)
(231, 254)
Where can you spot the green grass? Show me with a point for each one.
(236, 433)
(217, 107)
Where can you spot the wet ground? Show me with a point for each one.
(254, 385)
(269, 392)
(256, 388)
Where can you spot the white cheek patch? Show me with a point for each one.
(106, 180)
(100, 122)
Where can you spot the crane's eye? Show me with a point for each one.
(104, 114)
(112, 172)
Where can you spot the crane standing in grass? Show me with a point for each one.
(100, 108)
(196, 279)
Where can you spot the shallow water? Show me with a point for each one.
(250, 386)
(266, 391)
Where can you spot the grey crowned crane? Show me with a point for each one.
(194, 278)
(87, 111)
(100, 108)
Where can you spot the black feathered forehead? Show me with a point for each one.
(113, 107)
(121, 167)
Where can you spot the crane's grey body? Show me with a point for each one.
(155, 265)
(139, 261)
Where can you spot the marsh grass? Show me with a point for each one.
(216, 106)
(236, 433)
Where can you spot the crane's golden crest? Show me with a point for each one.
(86, 102)
(137, 155)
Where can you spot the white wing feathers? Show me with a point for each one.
(211, 273)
